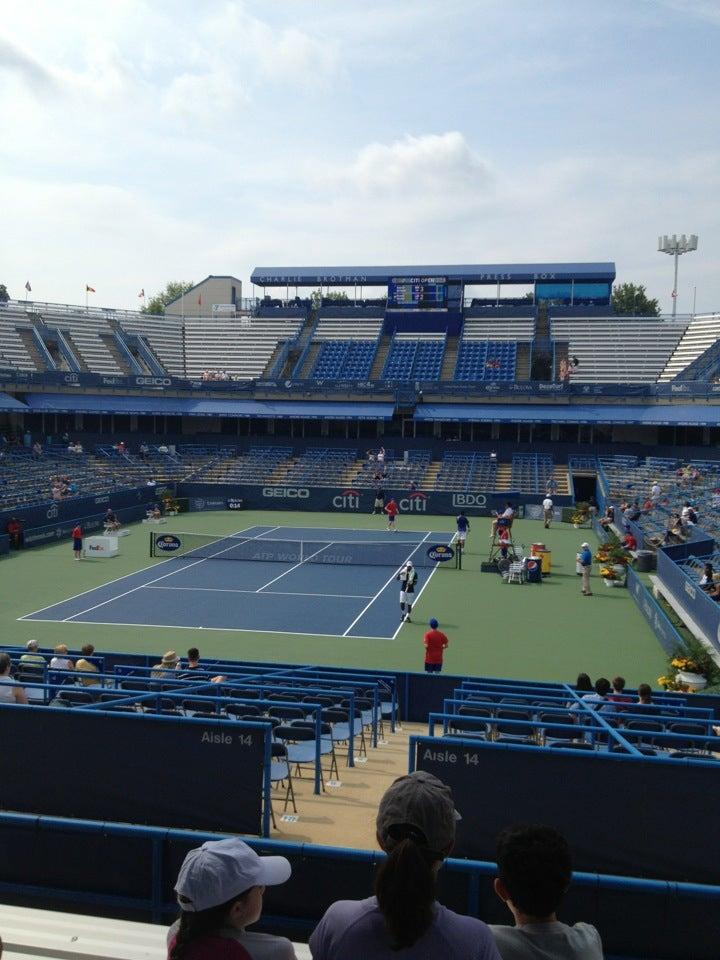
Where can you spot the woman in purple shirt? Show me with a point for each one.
(416, 828)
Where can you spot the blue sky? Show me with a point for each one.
(148, 141)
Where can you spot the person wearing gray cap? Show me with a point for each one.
(416, 828)
(219, 890)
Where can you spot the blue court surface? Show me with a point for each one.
(358, 596)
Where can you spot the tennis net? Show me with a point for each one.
(197, 546)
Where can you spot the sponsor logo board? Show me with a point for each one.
(286, 493)
(441, 552)
(167, 543)
(347, 500)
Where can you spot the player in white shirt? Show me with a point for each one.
(408, 580)
(547, 511)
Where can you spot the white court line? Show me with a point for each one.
(152, 566)
(294, 566)
(420, 592)
(385, 585)
(273, 593)
(175, 626)
(172, 573)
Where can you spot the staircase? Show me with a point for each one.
(29, 343)
(353, 471)
(267, 372)
(447, 370)
(560, 475)
(522, 361)
(84, 368)
(380, 357)
(503, 476)
(430, 477)
(112, 348)
(309, 363)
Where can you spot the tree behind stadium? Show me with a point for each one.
(631, 298)
(173, 289)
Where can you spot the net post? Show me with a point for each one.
(458, 556)
(152, 544)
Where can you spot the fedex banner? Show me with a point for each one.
(357, 500)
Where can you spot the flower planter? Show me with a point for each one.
(693, 681)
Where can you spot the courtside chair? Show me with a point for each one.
(280, 776)
(327, 747)
(564, 720)
(300, 743)
(339, 721)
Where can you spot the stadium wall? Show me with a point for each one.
(350, 499)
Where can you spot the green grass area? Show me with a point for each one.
(547, 632)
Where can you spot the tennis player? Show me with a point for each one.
(392, 511)
(408, 579)
(463, 525)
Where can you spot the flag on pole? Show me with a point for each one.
(89, 289)
(142, 293)
(28, 287)
(673, 294)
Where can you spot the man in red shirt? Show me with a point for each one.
(392, 511)
(435, 642)
(77, 536)
(629, 542)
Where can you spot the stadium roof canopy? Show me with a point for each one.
(657, 415)
(192, 407)
(10, 403)
(465, 273)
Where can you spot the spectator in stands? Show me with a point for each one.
(381, 456)
(584, 559)
(598, 697)
(220, 889)
(608, 518)
(617, 695)
(674, 532)
(167, 666)
(37, 450)
(144, 450)
(415, 826)
(584, 683)
(534, 874)
(85, 666)
(61, 661)
(10, 690)
(551, 486)
(547, 506)
(629, 542)
(644, 695)
(688, 516)
(371, 456)
(655, 492)
(413, 486)
(193, 660)
(32, 655)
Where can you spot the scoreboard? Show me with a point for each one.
(418, 292)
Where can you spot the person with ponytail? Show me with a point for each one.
(416, 828)
(220, 889)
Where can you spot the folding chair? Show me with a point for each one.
(280, 773)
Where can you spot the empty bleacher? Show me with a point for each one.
(85, 335)
(467, 472)
(347, 347)
(256, 465)
(321, 466)
(401, 470)
(615, 350)
(530, 472)
(13, 351)
(700, 335)
(415, 356)
(165, 337)
(242, 346)
(481, 360)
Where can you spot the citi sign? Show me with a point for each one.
(347, 500)
(415, 503)
(286, 493)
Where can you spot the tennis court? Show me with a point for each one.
(314, 581)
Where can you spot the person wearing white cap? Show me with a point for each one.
(416, 828)
(219, 890)
(408, 580)
(584, 559)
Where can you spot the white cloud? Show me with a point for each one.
(708, 10)
(21, 65)
(209, 98)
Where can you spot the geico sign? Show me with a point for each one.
(153, 381)
(469, 500)
(415, 503)
(347, 500)
(286, 493)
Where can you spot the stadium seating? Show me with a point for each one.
(530, 472)
(400, 472)
(164, 336)
(617, 350)
(466, 472)
(484, 360)
(321, 466)
(242, 346)
(256, 465)
(701, 333)
(13, 351)
(347, 346)
(414, 356)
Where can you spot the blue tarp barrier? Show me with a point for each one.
(651, 415)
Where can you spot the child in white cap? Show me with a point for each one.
(220, 889)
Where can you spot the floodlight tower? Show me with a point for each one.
(675, 245)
